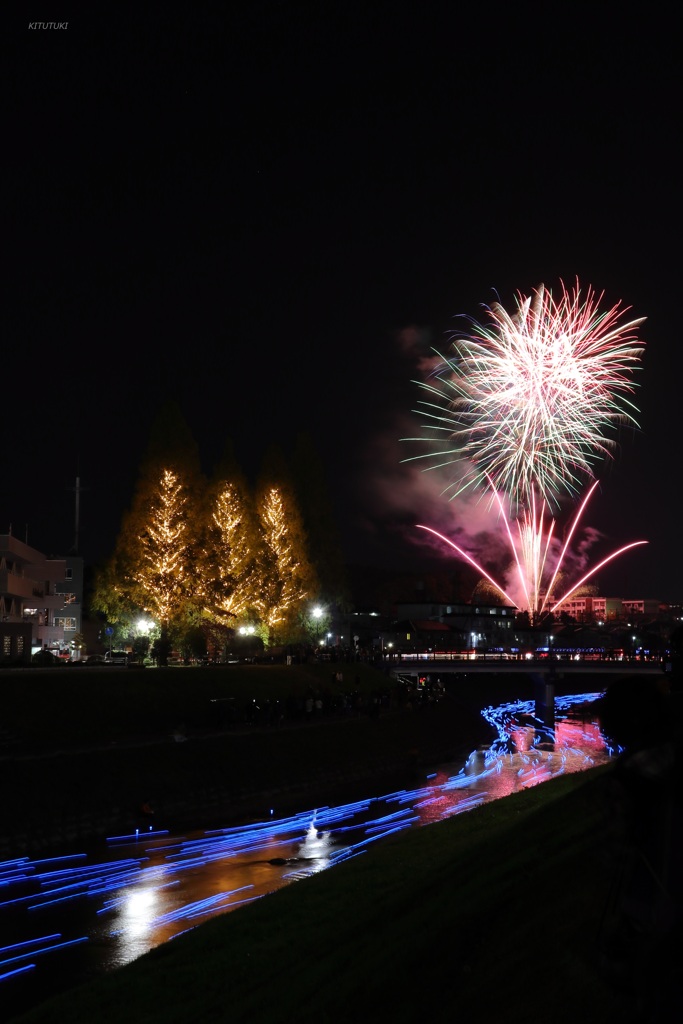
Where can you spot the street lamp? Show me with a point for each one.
(317, 614)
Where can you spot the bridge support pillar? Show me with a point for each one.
(545, 699)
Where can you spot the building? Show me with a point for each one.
(432, 627)
(592, 609)
(640, 609)
(450, 626)
(41, 601)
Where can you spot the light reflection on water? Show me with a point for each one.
(147, 889)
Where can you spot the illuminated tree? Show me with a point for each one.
(287, 576)
(230, 565)
(156, 550)
(152, 566)
(163, 569)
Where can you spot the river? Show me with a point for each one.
(68, 918)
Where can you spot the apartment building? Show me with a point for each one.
(590, 608)
(41, 599)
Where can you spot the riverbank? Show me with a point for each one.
(151, 739)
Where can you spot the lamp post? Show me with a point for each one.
(141, 642)
(317, 614)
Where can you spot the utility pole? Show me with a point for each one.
(77, 514)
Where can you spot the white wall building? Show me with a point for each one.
(45, 593)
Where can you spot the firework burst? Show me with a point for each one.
(525, 408)
(528, 401)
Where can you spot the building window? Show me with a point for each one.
(65, 622)
(20, 645)
(68, 574)
(69, 599)
(7, 646)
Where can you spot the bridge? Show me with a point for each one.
(416, 667)
(542, 675)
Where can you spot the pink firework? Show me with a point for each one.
(530, 557)
(527, 404)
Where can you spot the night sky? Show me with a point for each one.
(270, 215)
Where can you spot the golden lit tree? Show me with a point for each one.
(287, 576)
(150, 569)
(230, 565)
(163, 569)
